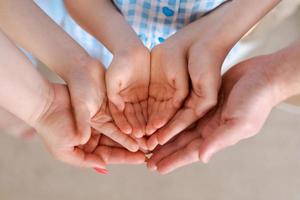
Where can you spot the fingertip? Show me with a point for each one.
(150, 130)
(205, 155)
(134, 148)
(151, 166)
(152, 143)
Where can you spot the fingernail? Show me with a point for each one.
(151, 167)
(101, 171)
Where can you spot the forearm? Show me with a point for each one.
(26, 24)
(228, 23)
(102, 20)
(284, 71)
(23, 91)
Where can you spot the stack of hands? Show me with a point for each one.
(170, 103)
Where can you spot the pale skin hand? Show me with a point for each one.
(127, 78)
(205, 51)
(47, 108)
(253, 86)
(61, 54)
(57, 128)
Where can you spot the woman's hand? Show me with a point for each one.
(57, 127)
(249, 92)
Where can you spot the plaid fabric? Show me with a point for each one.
(153, 20)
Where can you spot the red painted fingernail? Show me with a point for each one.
(101, 171)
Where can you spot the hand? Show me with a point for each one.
(127, 81)
(57, 127)
(87, 90)
(247, 89)
(202, 61)
(168, 84)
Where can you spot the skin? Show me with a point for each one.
(63, 56)
(47, 108)
(127, 77)
(198, 58)
(255, 85)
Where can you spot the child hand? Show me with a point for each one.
(246, 91)
(127, 81)
(168, 83)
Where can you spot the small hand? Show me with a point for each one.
(246, 91)
(127, 81)
(203, 66)
(168, 84)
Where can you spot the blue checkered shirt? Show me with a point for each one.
(153, 20)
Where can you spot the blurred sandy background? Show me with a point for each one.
(264, 167)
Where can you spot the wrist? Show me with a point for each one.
(284, 74)
(133, 52)
(47, 97)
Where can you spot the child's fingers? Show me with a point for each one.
(113, 155)
(120, 119)
(144, 105)
(113, 89)
(137, 130)
(140, 117)
(111, 131)
(187, 155)
(183, 119)
(153, 111)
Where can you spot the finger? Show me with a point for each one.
(113, 90)
(120, 119)
(182, 140)
(183, 119)
(119, 155)
(224, 136)
(91, 145)
(82, 119)
(153, 111)
(142, 143)
(111, 131)
(106, 141)
(140, 117)
(181, 84)
(77, 157)
(132, 119)
(165, 112)
(189, 154)
(144, 105)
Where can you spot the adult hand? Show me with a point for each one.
(247, 89)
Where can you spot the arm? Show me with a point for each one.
(32, 29)
(252, 86)
(127, 78)
(205, 43)
(105, 22)
(23, 91)
(229, 22)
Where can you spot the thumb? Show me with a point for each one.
(224, 136)
(82, 119)
(182, 89)
(113, 93)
